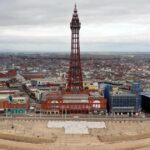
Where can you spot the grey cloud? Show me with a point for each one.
(20, 12)
(24, 14)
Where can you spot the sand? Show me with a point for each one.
(34, 135)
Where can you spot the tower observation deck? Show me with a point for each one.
(75, 81)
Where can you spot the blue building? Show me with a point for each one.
(107, 95)
(127, 103)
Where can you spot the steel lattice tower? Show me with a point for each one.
(75, 81)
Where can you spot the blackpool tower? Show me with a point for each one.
(75, 81)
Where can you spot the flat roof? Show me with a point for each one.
(76, 96)
(147, 94)
(2, 91)
(130, 94)
(2, 97)
(75, 101)
(4, 79)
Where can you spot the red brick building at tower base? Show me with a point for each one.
(73, 103)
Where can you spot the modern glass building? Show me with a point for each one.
(130, 103)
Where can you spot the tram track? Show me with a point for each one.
(68, 118)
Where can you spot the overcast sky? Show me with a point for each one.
(44, 25)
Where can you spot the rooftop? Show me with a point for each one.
(147, 94)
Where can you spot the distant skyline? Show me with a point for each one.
(110, 25)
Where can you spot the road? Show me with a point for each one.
(71, 117)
